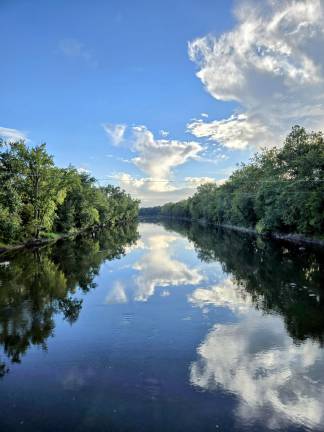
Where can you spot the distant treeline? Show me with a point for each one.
(280, 190)
(38, 199)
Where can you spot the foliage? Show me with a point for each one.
(281, 189)
(36, 197)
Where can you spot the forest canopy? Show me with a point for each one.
(38, 199)
(279, 190)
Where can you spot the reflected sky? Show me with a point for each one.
(156, 266)
(177, 328)
(273, 378)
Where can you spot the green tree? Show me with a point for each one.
(36, 197)
(280, 189)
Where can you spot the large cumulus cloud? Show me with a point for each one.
(271, 63)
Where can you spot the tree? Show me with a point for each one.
(36, 197)
(281, 189)
(38, 183)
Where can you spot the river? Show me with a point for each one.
(162, 327)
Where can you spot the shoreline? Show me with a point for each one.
(292, 237)
(38, 243)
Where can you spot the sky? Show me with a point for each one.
(159, 96)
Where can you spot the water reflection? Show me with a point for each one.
(274, 379)
(279, 278)
(157, 266)
(38, 284)
(193, 329)
(271, 289)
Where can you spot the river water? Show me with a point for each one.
(162, 327)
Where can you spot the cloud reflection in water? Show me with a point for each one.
(156, 267)
(275, 379)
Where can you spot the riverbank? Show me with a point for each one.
(292, 238)
(44, 241)
(36, 243)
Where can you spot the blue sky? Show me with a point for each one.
(76, 73)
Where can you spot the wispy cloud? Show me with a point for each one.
(115, 132)
(117, 294)
(164, 133)
(194, 182)
(82, 170)
(118, 158)
(73, 48)
(12, 135)
(271, 64)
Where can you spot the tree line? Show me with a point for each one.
(279, 190)
(39, 199)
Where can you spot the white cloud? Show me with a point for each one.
(236, 132)
(153, 192)
(271, 64)
(73, 48)
(82, 170)
(197, 181)
(144, 184)
(157, 157)
(115, 132)
(164, 133)
(12, 135)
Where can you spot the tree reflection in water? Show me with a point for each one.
(271, 356)
(37, 284)
(243, 324)
(280, 277)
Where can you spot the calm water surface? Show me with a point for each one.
(162, 327)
